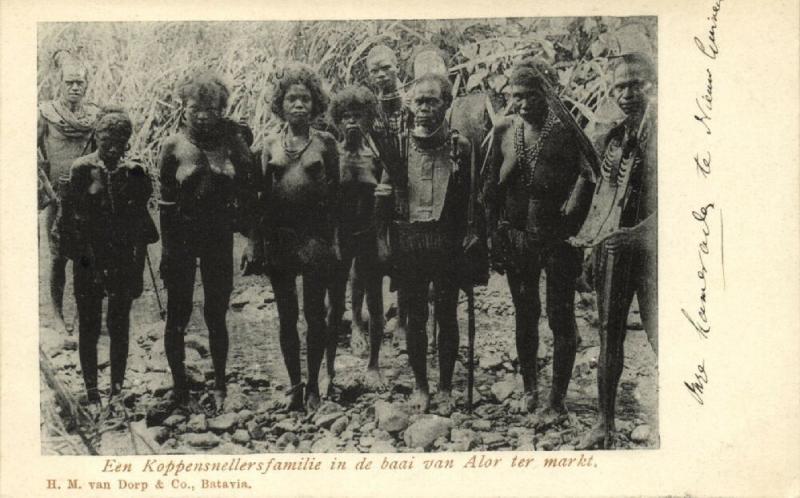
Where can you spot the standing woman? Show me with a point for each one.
(297, 221)
(64, 133)
(204, 171)
(103, 222)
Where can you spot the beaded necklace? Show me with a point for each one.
(293, 153)
(528, 156)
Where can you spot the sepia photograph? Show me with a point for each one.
(355, 236)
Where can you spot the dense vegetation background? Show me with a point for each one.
(137, 64)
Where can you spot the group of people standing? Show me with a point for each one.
(393, 190)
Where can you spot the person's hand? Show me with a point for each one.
(163, 265)
(337, 250)
(623, 238)
(498, 251)
(383, 190)
(250, 263)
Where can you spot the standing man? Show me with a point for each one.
(622, 229)
(64, 133)
(535, 165)
(390, 128)
(428, 231)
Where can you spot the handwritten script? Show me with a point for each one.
(697, 315)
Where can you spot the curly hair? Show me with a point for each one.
(533, 72)
(115, 121)
(445, 87)
(299, 74)
(204, 86)
(354, 98)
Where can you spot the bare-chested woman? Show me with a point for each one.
(297, 221)
(353, 110)
(204, 171)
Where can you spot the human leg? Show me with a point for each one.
(314, 284)
(562, 268)
(216, 273)
(283, 284)
(89, 300)
(446, 306)
(180, 288)
(414, 288)
(614, 294)
(524, 287)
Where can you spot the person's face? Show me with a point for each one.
(630, 88)
(352, 125)
(383, 72)
(73, 84)
(528, 100)
(111, 146)
(428, 105)
(202, 115)
(298, 104)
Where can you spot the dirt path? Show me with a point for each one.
(355, 419)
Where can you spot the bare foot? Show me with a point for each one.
(373, 380)
(219, 399)
(529, 402)
(445, 403)
(60, 325)
(293, 401)
(312, 401)
(358, 341)
(598, 437)
(420, 401)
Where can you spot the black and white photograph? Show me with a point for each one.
(355, 236)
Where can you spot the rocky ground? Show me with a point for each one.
(353, 419)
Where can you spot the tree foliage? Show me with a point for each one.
(137, 65)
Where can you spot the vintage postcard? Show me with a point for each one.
(400, 249)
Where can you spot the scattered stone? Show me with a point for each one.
(326, 420)
(492, 440)
(304, 447)
(197, 423)
(202, 440)
(425, 431)
(381, 435)
(196, 342)
(285, 425)
(223, 423)
(174, 420)
(490, 360)
(287, 439)
(641, 434)
(326, 444)
(235, 402)
(241, 436)
(245, 415)
(158, 412)
(256, 379)
(503, 389)
(481, 425)
(255, 429)
(159, 433)
(391, 417)
(467, 436)
(70, 343)
(339, 426)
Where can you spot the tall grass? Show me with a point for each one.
(137, 64)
